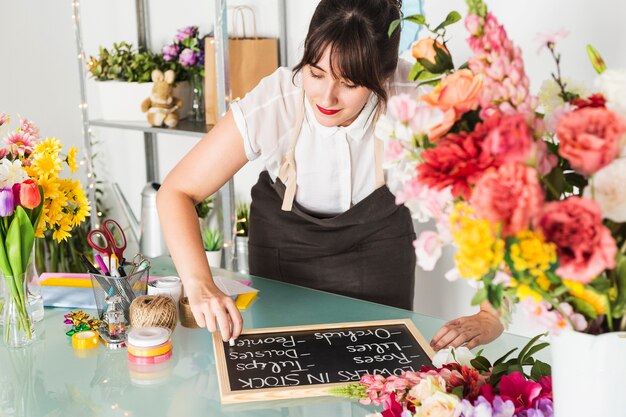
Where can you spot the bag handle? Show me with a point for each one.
(239, 12)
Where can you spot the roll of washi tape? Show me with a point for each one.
(148, 352)
(170, 286)
(85, 340)
(148, 336)
(148, 361)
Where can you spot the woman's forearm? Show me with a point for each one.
(181, 230)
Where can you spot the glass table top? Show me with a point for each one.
(49, 378)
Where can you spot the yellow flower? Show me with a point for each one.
(62, 231)
(71, 159)
(46, 165)
(479, 249)
(532, 255)
(578, 290)
(49, 146)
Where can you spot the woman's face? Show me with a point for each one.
(335, 102)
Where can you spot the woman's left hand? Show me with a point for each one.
(471, 331)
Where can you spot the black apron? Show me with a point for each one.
(366, 252)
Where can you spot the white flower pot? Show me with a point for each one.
(121, 100)
(214, 258)
(587, 374)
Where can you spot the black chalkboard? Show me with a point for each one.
(306, 361)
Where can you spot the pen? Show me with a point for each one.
(102, 266)
(90, 268)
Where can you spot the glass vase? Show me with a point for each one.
(18, 330)
(196, 82)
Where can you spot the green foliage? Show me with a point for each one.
(353, 390)
(204, 207)
(212, 239)
(451, 18)
(243, 219)
(123, 63)
(504, 366)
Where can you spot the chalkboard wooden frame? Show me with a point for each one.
(227, 395)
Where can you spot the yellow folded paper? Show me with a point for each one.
(244, 300)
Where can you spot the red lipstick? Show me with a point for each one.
(326, 111)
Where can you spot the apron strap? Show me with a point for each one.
(287, 172)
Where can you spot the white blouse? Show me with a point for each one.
(334, 165)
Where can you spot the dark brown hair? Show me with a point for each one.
(356, 31)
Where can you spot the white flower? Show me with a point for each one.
(460, 355)
(426, 117)
(612, 83)
(427, 388)
(11, 173)
(549, 93)
(608, 190)
(439, 404)
(428, 249)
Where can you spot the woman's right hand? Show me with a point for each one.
(209, 306)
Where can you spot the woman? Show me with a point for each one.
(321, 214)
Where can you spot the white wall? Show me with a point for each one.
(39, 76)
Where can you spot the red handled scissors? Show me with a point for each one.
(108, 240)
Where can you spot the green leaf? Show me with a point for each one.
(452, 18)
(536, 349)
(600, 285)
(480, 296)
(415, 71)
(14, 247)
(539, 370)
(393, 26)
(503, 358)
(458, 391)
(416, 18)
(480, 363)
(529, 346)
(619, 305)
(5, 267)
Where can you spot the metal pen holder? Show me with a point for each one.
(128, 288)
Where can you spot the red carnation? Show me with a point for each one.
(595, 100)
(458, 161)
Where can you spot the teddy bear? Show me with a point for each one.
(161, 106)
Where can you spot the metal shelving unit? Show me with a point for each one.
(185, 127)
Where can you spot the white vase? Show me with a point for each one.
(121, 100)
(587, 374)
(241, 249)
(214, 258)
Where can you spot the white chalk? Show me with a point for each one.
(231, 342)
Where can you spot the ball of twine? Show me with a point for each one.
(186, 316)
(153, 310)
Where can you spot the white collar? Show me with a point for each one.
(356, 130)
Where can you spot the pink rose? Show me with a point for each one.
(510, 140)
(585, 246)
(590, 138)
(510, 194)
(543, 158)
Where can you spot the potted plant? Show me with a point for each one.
(241, 240)
(213, 241)
(123, 81)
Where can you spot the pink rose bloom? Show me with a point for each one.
(510, 140)
(585, 246)
(590, 138)
(510, 194)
